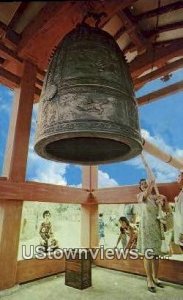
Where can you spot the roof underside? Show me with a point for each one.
(151, 37)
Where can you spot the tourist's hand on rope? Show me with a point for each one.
(161, 199)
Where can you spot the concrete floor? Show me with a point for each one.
(107, 284)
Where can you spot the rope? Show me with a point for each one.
(152, 177)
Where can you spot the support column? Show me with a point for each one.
(15, 170)
(89, 211)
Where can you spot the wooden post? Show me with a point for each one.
(15, 170)
(89, 211)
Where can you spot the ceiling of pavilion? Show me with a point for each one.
(150, 34)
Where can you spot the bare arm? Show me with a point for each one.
(119, 239)
(142, 196)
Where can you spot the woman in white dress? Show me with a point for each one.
(178, 215)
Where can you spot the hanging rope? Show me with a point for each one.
(152, 177)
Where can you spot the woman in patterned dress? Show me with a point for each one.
(126, 230)
(149, 235)
(46, 233)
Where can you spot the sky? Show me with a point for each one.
(161, 123)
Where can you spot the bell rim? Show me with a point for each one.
(135, 146)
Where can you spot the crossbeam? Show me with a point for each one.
(55, 21)
(165, 70)
(128, 194)
(162, 93)
(42, 192)
(156, 56)
(161, 10)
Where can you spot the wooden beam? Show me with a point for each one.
(162, 93)
(9, 36)
(10, 55)
(14, 63)
(2, 60)
(28, 270)
(15, 169)
(162, 155)
(89, 226)
(42, 192)
(18, 13)
(119, 33)
(160, 72)
(89, 212)
(90, 178)
(9, 79)
(163, 28)
(133, 30)
(13, 81)
(169, 270)
(10, 219)
(54, 21)
(128, 194)
(16, 154)
(155, 56)
(160, 10)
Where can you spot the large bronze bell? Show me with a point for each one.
(87, 113)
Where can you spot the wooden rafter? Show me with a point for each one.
(9, 54)
(119, 33)
(156, 56)
(167, 91)
(18, 13)
(1, 60)
(58, 18)
(9, 79)
(166, 69)
(9, 35)
(133, 30)
(163, 28)
(13, 81)
(161, 10)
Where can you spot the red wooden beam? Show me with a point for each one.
(167, 91)
(18, 13)
(167, 69)
(163, 28)
(9, 79)
(34, 191)
(10, 36)
(155, 56)
(13, 81)
(54, 21)
(119, 33)
(133, 30)
(28, 270)
(161, 10)
(128, 194)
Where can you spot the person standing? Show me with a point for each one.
(101, 229)
(178, 215)
(149, 235)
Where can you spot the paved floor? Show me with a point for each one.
(107, 284)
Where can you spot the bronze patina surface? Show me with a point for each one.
(87, 113)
